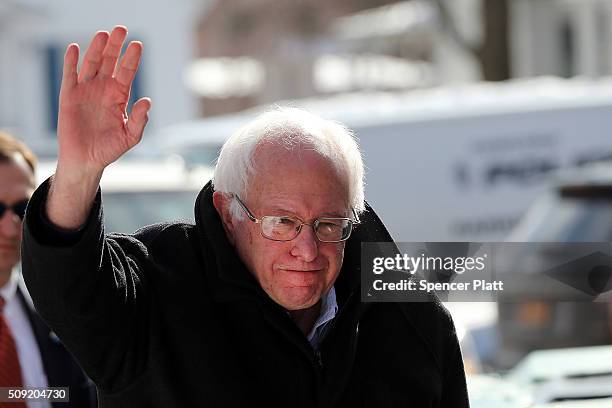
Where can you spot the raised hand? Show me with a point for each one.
(93, 126)
(93, 129)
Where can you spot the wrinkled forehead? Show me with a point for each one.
(298, 171)
(272, 158)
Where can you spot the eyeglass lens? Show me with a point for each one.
(285, 229)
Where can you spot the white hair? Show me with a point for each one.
(289, 127)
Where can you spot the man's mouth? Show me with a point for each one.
(301, 270)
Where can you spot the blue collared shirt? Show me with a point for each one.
(329, 309)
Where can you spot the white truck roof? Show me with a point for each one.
(364, 109)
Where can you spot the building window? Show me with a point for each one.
(568, 52)
(54, 78)
(602, 27)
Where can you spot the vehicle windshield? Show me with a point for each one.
(128, 211)
(557, 219)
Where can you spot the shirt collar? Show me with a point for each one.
(329, 308)
(9, 290)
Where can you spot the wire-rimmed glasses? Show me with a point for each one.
(286, 228)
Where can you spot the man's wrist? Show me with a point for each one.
(71, 196)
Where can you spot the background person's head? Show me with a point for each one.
(289, 162)
(17, 182)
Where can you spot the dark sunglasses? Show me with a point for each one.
(18, 208)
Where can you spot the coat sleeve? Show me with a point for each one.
(91, 290)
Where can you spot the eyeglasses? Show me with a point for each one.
(18, 208)
(283, 228)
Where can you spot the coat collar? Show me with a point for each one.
(229, 277)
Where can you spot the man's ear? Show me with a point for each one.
(222, 204)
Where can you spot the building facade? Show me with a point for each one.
(33, 38)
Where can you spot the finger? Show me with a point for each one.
(71, 59)
(138, 119)
(112, 50)
(93, 56)
(129, 64)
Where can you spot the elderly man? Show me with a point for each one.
(30, 354)
(257, 304)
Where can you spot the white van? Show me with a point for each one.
(460, 163)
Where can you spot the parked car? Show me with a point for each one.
(492, 391)
(566, 374)
(576, 209)
(544, 366)
(592, 403)
(575, 390)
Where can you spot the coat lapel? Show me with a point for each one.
(51, 350)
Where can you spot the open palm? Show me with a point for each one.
(93, 126)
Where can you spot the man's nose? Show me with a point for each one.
(10, 224)
(306, 244)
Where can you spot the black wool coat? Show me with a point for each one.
(170, 317)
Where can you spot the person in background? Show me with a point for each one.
(30, 354)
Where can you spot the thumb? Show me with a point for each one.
(138, 119)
